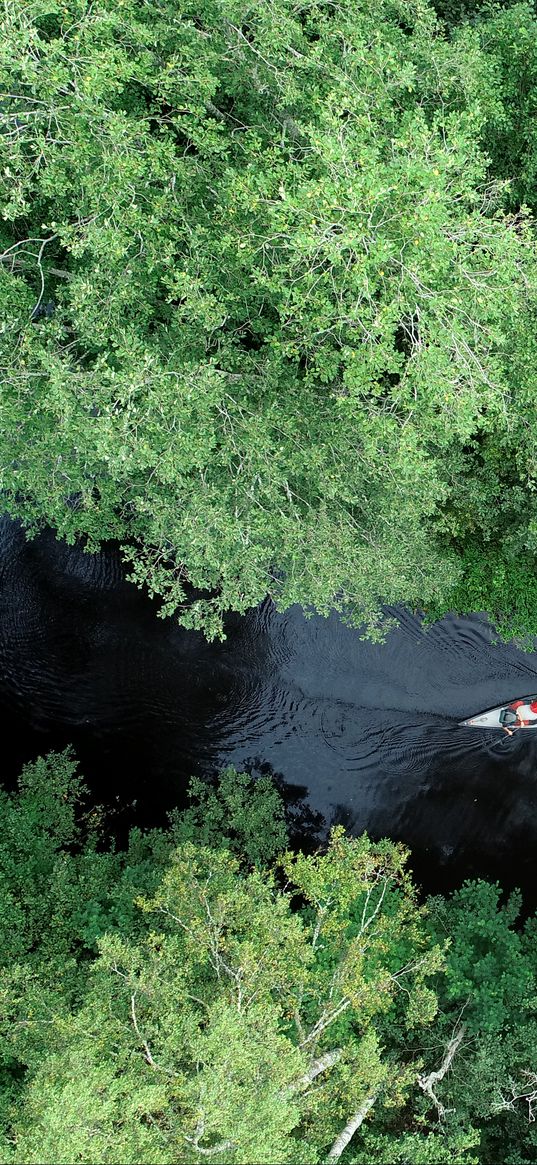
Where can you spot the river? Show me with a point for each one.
(360, 733)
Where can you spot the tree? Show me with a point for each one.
(221, 1014)
(242, 815)
(263, 306)
(177, 1002)
(237, 1028)
(489, 986)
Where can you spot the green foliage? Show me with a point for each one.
(510, 41)
(176, 997)
(505, 588)
(259, 293)
(490, 985)
(60, 893)
(36, 828)
(205, 1030)
(437, 1148)
(187, 1002)
(242, 815)
(489, 973)
(456, 12)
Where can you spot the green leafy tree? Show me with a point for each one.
(242, 815)
(237, 1025)
(490, 517)
(489, 990)
(509, 38)
(175, 1001)
(163, 1002)
(260, 297)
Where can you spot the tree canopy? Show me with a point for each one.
(268, 304)
(177, 1001)
(267, 282)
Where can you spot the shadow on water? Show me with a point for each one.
(358, 733)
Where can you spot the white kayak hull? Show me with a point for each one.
(491, 719)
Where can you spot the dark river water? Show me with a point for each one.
(359, 733)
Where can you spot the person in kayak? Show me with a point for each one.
(526, 715)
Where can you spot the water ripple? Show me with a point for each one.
(370, 732)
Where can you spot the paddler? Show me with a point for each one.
(526, 715)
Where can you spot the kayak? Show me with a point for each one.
(502, 717)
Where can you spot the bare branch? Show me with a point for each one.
(528, 1093)
(427, 1083)
(322, 1064)
(147, 1052)
(346, 1134)
(60, 273)
(318, 924)
(298, 1025)
(366, 921)
(222, 1147)
(328, 1017)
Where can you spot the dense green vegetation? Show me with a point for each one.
(267, 287)
(186, 998)
(268, 277)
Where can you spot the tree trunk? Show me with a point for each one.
(341, 1142)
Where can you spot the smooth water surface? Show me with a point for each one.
(367, 732)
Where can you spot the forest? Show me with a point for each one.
(267, 288)
(268, 307)
(207, 992)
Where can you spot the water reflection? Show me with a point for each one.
(368, 731)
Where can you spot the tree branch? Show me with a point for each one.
(326, 1019)
(221, 1147)
(321, 1064)
(341, 1142)
(427, 1083)
(528, 1093)
(147, 1051)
